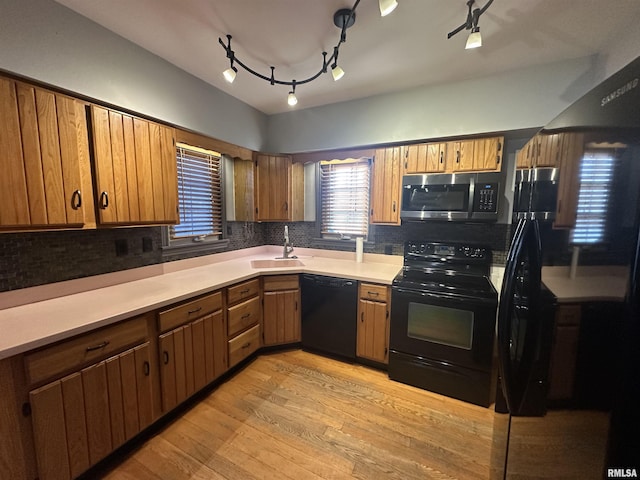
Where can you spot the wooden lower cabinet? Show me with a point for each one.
(191, 356)
(81, 418)
(564, 352)
(373, 323)
(281, 316)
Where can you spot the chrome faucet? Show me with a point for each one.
(287, 245)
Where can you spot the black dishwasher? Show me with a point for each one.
(329, 315)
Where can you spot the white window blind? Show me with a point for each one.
(199, 193)
(596, 178)
(344, 186)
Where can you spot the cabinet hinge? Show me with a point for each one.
(371, 212)
(26, 409)
(256, 210)
(387, 313)
(256, 163)
(499, 146)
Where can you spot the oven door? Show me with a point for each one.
(457, 330)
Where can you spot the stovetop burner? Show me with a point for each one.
(447, 268)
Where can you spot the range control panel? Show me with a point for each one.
(446, 250)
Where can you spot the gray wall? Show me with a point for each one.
(44, 41)
(518, 99)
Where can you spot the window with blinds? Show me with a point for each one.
(344, 197)
(596, 178)
(199, 193)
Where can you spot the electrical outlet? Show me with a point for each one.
(229, 230)
(122, 247)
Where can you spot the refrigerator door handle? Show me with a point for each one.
(526, 244)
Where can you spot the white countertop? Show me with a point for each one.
(37, 316)
(591, 284)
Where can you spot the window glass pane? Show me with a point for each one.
(199, 193)
(345, 197)
(596, 178)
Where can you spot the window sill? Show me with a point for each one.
(201, 248)
(335, 243)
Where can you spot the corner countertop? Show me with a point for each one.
(37, 316)
(591, 283)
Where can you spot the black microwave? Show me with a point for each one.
(470, 197)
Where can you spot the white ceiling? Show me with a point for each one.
(406, 49)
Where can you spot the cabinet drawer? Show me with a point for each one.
(79, 351)
(242, 291)
(244, 345)
(243, 315)
(281, 282)
(174, 317)
(376, 293)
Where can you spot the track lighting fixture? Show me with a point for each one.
(387, 6)
(475, 39)
(343, 19)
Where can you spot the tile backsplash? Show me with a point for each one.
(37, 258)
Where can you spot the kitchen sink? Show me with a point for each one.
(277, 263)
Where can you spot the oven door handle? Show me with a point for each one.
(438, 296)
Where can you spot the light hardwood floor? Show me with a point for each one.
(296, 415)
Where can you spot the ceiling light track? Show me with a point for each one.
(343, 19)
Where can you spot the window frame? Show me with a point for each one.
(328, 239)
(199, 243)
(604, 217)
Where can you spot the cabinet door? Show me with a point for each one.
(436, 154)
(461, 154)
(572, 150)
(167, 372)
(373, 331)
(40, 142)
(135, 169)
(273, 188)
(415, 158)
(549, 152)
(563, 361)
(385, 187)
(81, 418)
(281, 317)
(215, 346)
(243, 184)
(487, 153)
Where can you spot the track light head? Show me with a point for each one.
(337, 72)
(474, 40)
(230, 74)
(387, 6)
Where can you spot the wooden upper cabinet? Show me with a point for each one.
(135, 169)
(425, 158)
(479, 154)
(244, 189)
(543, 150)
(488, 153)
(276, 196)
(43, 144)
(571, 153)
(385, 186)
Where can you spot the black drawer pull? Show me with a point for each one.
(373, 294)
(100, 346)
(191, 312)
(246, 345)
(165, 357)
(242, 292)
(104, 200)
(245, 316)
(76, 200)
(146, 369)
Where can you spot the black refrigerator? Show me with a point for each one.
(596, 434)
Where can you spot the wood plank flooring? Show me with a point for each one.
(295, 415)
